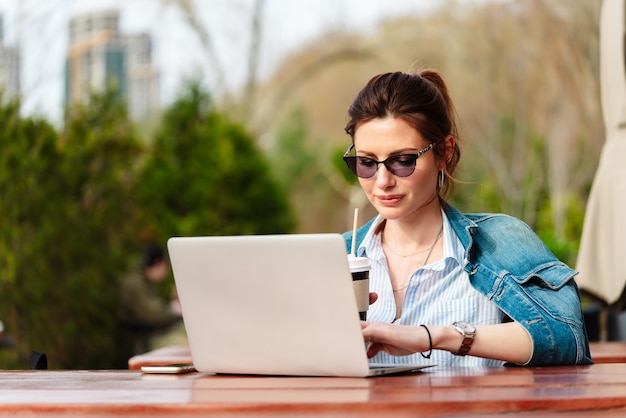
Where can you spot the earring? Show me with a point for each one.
(441, 178)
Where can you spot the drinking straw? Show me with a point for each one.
(356, 216)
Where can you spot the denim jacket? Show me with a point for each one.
(508, 263)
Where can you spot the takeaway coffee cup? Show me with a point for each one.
(360, 269)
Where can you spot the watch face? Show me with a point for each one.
(466, 327)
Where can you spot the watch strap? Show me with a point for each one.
(467, 331)
(465, 346)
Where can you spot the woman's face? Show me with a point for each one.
(396, 197)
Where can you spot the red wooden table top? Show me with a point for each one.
(571, 390)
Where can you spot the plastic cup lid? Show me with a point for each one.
(358, 263)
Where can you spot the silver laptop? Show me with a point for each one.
(271, 305)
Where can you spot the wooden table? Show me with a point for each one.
(604, 352)
(579, 391)
(608, 351)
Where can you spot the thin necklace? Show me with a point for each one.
(430, 251)
(397, 253)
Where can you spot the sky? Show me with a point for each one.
(40, 28)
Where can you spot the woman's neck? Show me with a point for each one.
(415, 231)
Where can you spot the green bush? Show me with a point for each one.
(75, 203)
(69, 228)
(205, 176)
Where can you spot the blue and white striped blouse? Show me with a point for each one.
(438, 294)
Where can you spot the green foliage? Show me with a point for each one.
(205, 176)
(566, 246)
(28, 161)
(75, 204)
(96, 178)
(520, 189)
(308, 174)
(479, 195)
(340, 167)
(292, 161)
(70, 212)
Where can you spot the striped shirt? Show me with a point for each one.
(439, 293)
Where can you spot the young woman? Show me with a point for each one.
(448, 288)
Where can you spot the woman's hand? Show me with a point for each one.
(396, 340)
(373, 297)
(384, 337)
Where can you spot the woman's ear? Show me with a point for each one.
(449, 148)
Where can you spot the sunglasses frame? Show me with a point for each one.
(353, 167)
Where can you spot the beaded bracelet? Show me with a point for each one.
(430, 343)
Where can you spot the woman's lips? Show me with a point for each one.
(389, 200)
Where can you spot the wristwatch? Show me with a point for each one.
(468, 331)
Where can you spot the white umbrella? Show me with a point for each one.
(602, 256)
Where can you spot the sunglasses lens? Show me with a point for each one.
(351, 163)
(401, 165)
(361, 166)
(398, 165)
(365, 167)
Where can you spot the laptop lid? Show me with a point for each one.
(269, 304)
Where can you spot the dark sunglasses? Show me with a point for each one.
(401, 165)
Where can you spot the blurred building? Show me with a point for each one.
(9, 67)
(99, 56)
(141, 78)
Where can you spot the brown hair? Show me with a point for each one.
(420, 99)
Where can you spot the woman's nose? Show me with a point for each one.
(384, 178)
